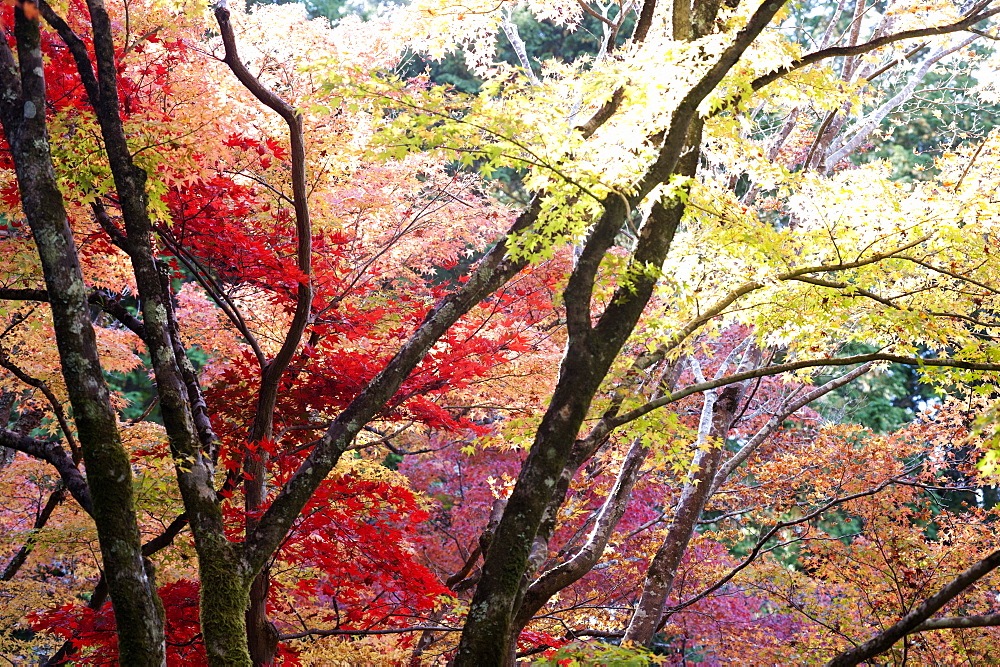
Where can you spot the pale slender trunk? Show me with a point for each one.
(608, 516)
(584, 559)
(663, 568)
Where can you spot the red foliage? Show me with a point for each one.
(93, 632)
(350, 553)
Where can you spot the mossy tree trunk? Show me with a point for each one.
(137, 609)
(223, 574)
(487, 638)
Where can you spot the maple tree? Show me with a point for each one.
(307, 227)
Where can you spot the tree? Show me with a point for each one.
(373, 251)
(800, 262)
(109, 487)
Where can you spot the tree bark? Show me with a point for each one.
(534, 595)
(590, 351)
(584, 559)
(224, 577)
(262, 636)
(486, 638)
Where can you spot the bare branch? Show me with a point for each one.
(796, 365)
(767, 535)
(54, 402)
(365, 633)
(958, 622)
(105, 300)
(867, 125)
(784, 413)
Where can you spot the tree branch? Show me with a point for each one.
(918, 616)
(766, 537)
(303, 227)
(21, 557)
(494, 270)
(97, 297)
(958, 623)
(365, 633)
(53, 453)
(786, 411)
(792, 366)
(867, 125)
(976, 15)
(54, 403)
(100, 593)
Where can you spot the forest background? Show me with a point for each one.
(560, 332)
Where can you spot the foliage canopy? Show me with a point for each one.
(498, 331)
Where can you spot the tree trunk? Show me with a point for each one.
(138, 612)
(225, 596)
(486, 638)
(224, 578)
(262, 637)
(590, 351)
(663, 568)
(583, 560)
